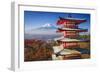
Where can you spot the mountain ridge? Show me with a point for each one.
(46, 31)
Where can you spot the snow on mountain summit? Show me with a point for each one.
(47, 25)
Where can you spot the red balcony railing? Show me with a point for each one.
(71, 26)
(70, 45)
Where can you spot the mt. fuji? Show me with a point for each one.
(47, 26)
(46, 31)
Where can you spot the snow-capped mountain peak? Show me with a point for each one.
(46, 31)
(47, 25)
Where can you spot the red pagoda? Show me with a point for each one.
(70, 39)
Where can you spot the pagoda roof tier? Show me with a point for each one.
(71, 29)
(58, 49)
(62, 39)
(68, 51)
(70, 20)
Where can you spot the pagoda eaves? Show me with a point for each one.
(69, 29)
(70, 20)
(62, 39)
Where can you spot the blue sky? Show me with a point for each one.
(34, 19)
